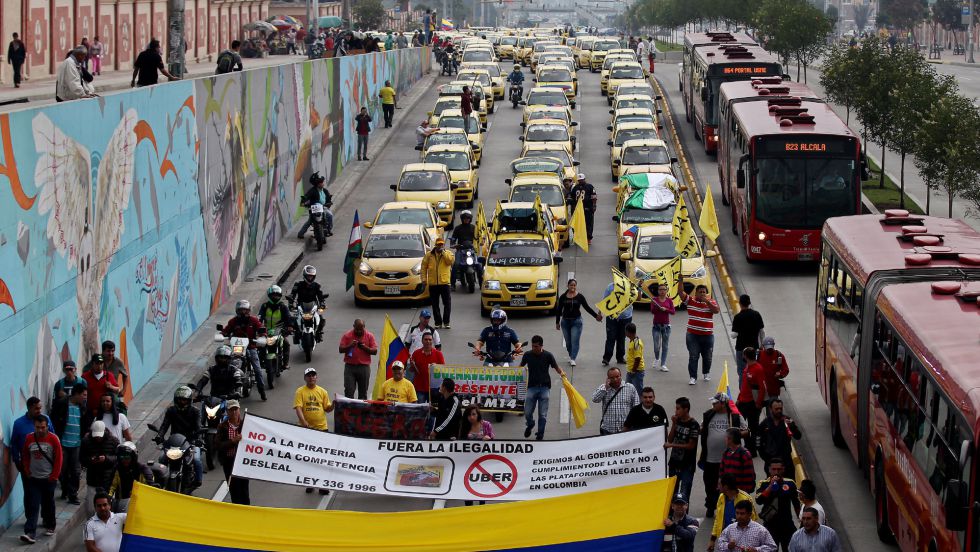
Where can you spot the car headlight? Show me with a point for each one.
(365, 268)
(640, 274)
(464, 183)
(174, 453)
(417, 269)
(212, 412)
(544, 284)
(442, 205)
(492, 284)
(699, 273)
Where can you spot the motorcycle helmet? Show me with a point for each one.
(309, 273)
(274, 293)
(517, 67)
(182, 396)
(498, 317)
(243, 307)
(315, 178)
(466, 214)
(223, 355)
(127, 450)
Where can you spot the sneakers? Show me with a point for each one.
(49, 532)
(706, 377)
(694, 381)
(664, 368)
(571, 362)
(446, 326)
(605, 362)
(539, 437)
(527, 431)
(29, 539)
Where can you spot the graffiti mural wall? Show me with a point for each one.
(133, 216)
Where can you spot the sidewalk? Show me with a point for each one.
(41, 91)
(194, 356)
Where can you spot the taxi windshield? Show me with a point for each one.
(456, 121)
(554, 75)
(635, 88)
(561, 115)
(478, 55)
(394, 246)
(446, 138)
(550, 194)
(481, 78)
(535, 165)
(423, 181)
(626, 73)
(635, 103)
(519, 253)
(508, 40)
(605, 45)
(559, 154)
(547, 133)
(645, 118)
(635, 134)
(549, 97)
(609, 61)
(634, 215)
(659, 247)
(646, 155)
(444, 105)
(405, 216)
(454, 160)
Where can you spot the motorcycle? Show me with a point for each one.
(212, 412)
(467, 266)
(496, 358)
(516, 94)
(447, 61)
(271, 356)
(239, 346)
(318, 218)
(308, 317)
(176, 464)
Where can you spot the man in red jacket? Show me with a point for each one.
(42, 464)
(100, 381)
(752, 396)
(774, 364)
(245, 324)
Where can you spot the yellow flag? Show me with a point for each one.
(723, 386)
(482, 231)
(388, 337)
(670, 274)
(685, 240)
(576, 401)
(624, 293)
(579, 233)
(708, 221)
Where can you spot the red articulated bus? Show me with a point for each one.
(787, 163)
(693, 40)
(709, 67)
(898, 362)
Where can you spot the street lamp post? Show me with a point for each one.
(970, 55)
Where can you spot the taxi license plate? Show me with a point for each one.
(392, 290)
(518, 302)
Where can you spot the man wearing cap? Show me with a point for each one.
(98, 456)
(70, 84)
(69, 416)
(396, 388)
(63, 387)
(586, 192)
(680, 529)
(229, 434)
(99, 382)
(413, 339)
(357, 346)
(312, 403)
(715, 424)
(423, 131)
(775, 367)
(437, 266)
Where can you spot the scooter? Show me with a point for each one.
(467, 266)
(177, 461)
(239, 346)
(318, 219)
(308, 316)
(212, 412)
(516, 94)
(271, 356)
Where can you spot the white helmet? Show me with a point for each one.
(309, 273)
(243, 304)
(466, 213)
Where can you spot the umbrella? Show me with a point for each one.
(260, 26)
(280, 24)
(328, 21)
(287, 18)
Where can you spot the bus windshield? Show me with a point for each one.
(803, 192)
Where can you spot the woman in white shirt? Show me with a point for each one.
(116, 422)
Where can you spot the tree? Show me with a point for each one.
(370, 14)
(862, 14)
(949, 138)
(946, 14)
(833, 15)
(810, 40)
(903, 14)
(840, 75)
(774, 22)
(875, 105)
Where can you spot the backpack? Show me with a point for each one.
(226, 61)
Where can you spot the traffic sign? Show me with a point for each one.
(490, 476)
(966, 10)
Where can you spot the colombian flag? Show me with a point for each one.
(160, 521)
(392, 348)
(631, 231)
(724, 387)
(447, 25)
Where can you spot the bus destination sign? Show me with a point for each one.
(754, 70)
(805, 145)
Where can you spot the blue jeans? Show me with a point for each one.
(537, 396)
(362, 145)
(661, 340)
(253, 358)
(739, 366)
(699, 345)
(571, 330)
(636, 380)
(685, 480)
(39, 497)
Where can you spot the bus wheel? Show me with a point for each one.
(885, 533)
(835, 433)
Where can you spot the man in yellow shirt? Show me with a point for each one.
(388, 102)
(634, 358)
(311, 404)
(397, 388)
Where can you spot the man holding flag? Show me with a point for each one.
(583, 196)
(617, 305)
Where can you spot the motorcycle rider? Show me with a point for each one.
(128, 470)
(224, 377)
(181, 418)
(464, 236)
(245, 324)
(516, 78)
(275, 314)
(450, 52)
(317, 194)
(498, 338)
(308, 291)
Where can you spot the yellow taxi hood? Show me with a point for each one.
(392, 265)
(520, 274)
(432, 197)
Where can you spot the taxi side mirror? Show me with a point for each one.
(523, 125)
(673, 159)
(521, 138)
(558, 259)
(609, 143)
(609, 127)
(508, 181)
(368, 225)
(611, 111)
(616, 162)
(454, 186)
(625, 256)
(574, 123)
(615, 218)
(429, 113)
(393, 187)
(418, 148)
(576, 163)
(440, 224)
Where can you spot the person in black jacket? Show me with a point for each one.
(448, 410)
(317, 194)
(776, 434)
(308, 291)
(16, 56)
(98, 456)
(181, 418)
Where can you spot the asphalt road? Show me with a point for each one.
(784, 295)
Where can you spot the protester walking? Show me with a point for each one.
(662, 307)
(99, 381)
(780, 504)
(747, 330)
(616, 333)
(437, 268)
(98, 457)
(362, 126)
(22, 428)
(401, 41)
(73, 81)
(700, 338)
(475, 428)
(16, 56)
(752, 396)
(389, 100)
(617, 399)
(568, 318)
(115, 421)
(808, 499)
(64, 386)
(397, 389)
(42, 457)
(147, 66)
(774, 366)
(419, 363)
(724, 509)
(357, 346)
(230, 60)
(635, 365)
(737, 461)
(745, 534)
(69, 418)
(813, 535)
(776, 434)
(683, 444)
(312, 404)
(539, 362)
(104, 530)
(680, 529)
(715, 424)
(448, 408)
(229, 435)
(466, 105)
(646, 414)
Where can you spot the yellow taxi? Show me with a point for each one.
(455, 136)
(652, 248)
(409, 212)
(496, 76)
(622, 73)
(549, 58)
(584, 49)
(505, 48)
(550, 131)
(624, 116)
(606, 66)
(462, 171)
(479, 53)
(454, 90)
(636, 88)
(563, 114)
(544, 96)
(538, 49)
(527, 186)
(633, 101)
(521, 270)
(599, 50)
(624, 51)
(628, 131)
(442, 104)
(536, 164)
(556, 76)
(429, 182)
(481, 77)
(390, 266)
(523, 51)
(636, 153)
(642, 200)
(557, 151)
(453, 118)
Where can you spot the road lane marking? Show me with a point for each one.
(327, 500)
(221, 493)
(439, 504)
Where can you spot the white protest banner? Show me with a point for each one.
(463, 470)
